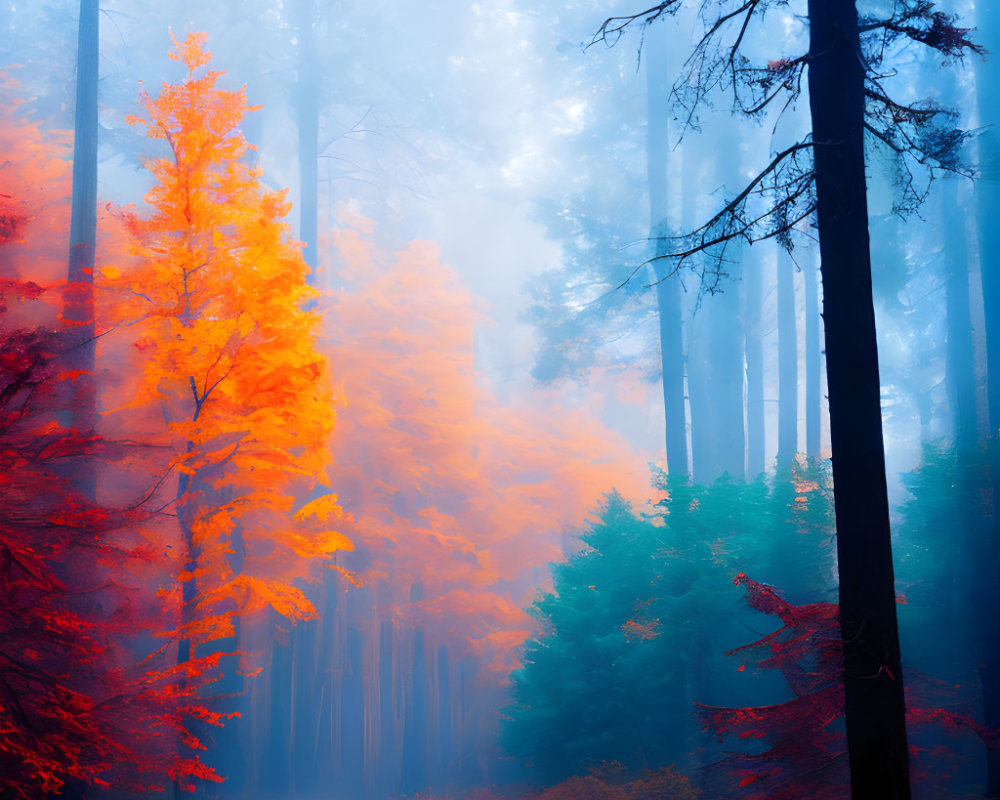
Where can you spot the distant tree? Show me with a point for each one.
(824, 174)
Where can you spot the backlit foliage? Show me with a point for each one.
(225, 351)
(35, 186)
(447, 487)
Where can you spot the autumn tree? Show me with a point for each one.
(77, 706)
(227, 356)
(822, 177)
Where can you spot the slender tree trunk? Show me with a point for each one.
(414, 776)
(78, 310)
(873, 680)
(814, 404)
(726, 377)
(753, 299)
(960, 368)
(78, 301)
(699, 392)
(788, 366)
(668, 290)
(726, 338)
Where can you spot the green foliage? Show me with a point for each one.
(632, 629)
(943, 540)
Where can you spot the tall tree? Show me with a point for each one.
(814, 408)
(788, 363)
(988, 197)
(79, 301)
(873, 680)
(753, 299)
(824, 174)
(219, 279)
(668, 290)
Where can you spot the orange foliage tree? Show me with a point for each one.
(447, 487)
(227, 358)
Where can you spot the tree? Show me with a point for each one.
(824, 174)
(804, 753)
(668, 293)
(76, 704)
(79, 296)
(227, 355)
(628, 633)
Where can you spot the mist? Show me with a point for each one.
(405, 401)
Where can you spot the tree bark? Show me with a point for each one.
(873, 681)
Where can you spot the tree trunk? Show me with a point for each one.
(78, 311)
(814, 404)
(753, 299)
(988, 200)
(960, 368)
(788, 363)
(726, 366)
(668, 290)
(873, 681)
(988, 196)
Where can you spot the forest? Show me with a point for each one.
(515, 401)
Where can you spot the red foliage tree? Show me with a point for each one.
(802, 752)
(77, 702)
(801, 748)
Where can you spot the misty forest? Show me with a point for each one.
(530, 401)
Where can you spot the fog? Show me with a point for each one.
(427, 452)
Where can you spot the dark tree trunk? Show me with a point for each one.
(668, 290)
(873, 681)
(814, 405)
(788, 366)
(988, 196)
(753, 299)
